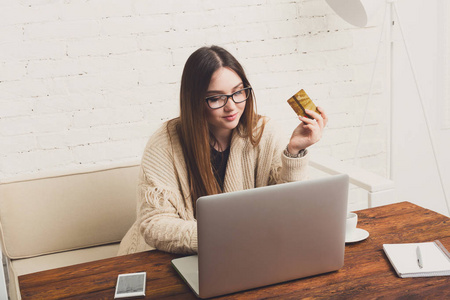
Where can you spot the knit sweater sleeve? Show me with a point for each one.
(165, 217)
(161, 224)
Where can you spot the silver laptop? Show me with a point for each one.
(267, 235)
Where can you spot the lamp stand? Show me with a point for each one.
(395, 18)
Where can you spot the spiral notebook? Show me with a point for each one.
(419, 259)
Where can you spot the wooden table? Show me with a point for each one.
(366, 273)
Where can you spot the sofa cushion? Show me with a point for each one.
(63, 259)
(55, 214)
(24, 266)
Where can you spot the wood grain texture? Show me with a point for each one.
(366, 274)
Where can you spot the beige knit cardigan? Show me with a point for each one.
(165, 214)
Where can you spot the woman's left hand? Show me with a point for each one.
(308, 132)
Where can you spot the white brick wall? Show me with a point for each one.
(87, 82)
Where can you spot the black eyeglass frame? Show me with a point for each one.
(249, 88)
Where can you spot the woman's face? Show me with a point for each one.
(223, 120)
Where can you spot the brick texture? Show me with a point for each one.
(87, 82)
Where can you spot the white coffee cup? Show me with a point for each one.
(350, 225)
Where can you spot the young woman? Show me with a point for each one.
(217, 144)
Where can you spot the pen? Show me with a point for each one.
(419, 257)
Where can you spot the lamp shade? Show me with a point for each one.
(355, 12)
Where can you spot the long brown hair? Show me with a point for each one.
(194, 132)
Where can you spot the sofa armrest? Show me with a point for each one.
(381, 191)
(3, 276)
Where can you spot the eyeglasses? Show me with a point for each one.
(218, 101)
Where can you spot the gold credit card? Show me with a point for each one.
(300, 101)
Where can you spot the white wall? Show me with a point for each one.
(427, 34)
(87, 82)
(415, 171)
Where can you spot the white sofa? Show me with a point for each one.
(55, 220)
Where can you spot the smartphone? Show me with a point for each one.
(130, 285)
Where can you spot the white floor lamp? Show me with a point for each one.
(357, 13)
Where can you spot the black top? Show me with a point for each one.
(219, 164)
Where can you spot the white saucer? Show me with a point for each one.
(357, 236)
